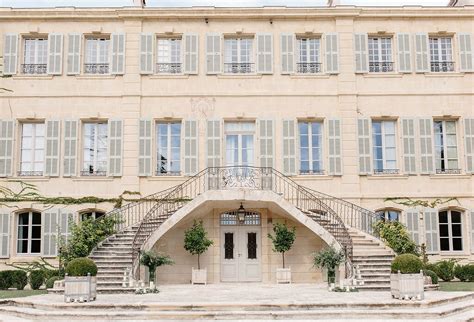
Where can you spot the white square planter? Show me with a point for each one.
(199, 276)
(407, 286)
(80, 288)
(283, 275)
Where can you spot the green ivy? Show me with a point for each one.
(396, 236)
(409, 202)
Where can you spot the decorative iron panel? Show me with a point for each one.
(252, 245)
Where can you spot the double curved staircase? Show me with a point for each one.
(351, 226)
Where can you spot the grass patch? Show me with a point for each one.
(456, 286)
(16, 293)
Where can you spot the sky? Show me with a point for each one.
(216, 3)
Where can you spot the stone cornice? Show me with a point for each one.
(277, 13)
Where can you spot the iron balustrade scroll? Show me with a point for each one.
(30, 173)
(448, 171)
(168, 68)
(442, 66)
(386, 171)
(34, 69)
(238, 68)
(381, 67)
(308, 68)
(96, 69)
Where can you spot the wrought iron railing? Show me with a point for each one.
(238, 68)
(95, 173)
(442, 66)
(448, 171)
(386, 171)
(96, 68)
(168, 68)
(312, 172)
(30, 173)
(308, 68)
(381, 67)
(164, 173)
(34, 69)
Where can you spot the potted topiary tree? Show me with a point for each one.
(196, 242)
(80, 282)
(153, 261)
(329, 259)
(406, 280)
(282, 242)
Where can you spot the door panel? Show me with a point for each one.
(229, 261)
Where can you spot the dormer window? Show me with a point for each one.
(168, 58)
(35, 56)
(97, 55)
(238, 55)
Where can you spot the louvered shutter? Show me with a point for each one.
(408, 137)
(51, 156)
(472, 231)
(4, 233)
(264, 53)
(10, 54)
(74, 54)
(65, 217)
(422, 53)
(469, 144)
(332, 53)
(191, 50)
(146, 54)
(404, 56)
(50, 232)
(361, 57)
(267, 133)
(289, 147)
(55, 54)
(287, 49)
(213, 143)
(213, 53)
(190, 147)
(115, 147)
(426, 145)
(412, 222)
(118, 54)
(363, 130)
(465, 53)
(70, 148)
(334, 147)
(144, 143)
(6, 147)
(431, 231)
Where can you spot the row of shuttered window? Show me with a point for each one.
(214, 53)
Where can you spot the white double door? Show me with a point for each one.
(240, 144)
(240, 254)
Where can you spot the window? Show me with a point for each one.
(97, 56)
(310, 147)
(450, 230)
(388, 215)
(380, 54)
(168, 148)
(384, 147)
(169, 55)
(32, 149)
(239, 140)
(441, 54)
(94, 149)
(92, 214)
(309, 55)
(29, 233)
(446, 154)
(36, 56)
(238, 55)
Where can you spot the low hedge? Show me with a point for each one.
(445, 269)
(81, 267)
(407, 264)
(434, 277)
(464, 273)
(50, 281)
(36, 279)
(5, 279)
(13, 278)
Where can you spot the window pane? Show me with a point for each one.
(456, 229)
(36, 246)
(457, 244)
(443, 230)
(444, 243)
(23, 218)
(22, 246)
(36, 231)
(229, 245)
(443, 217)
(455, 217)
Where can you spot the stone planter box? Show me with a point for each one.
(283, 275)
(407, 286)
(80, 288)
(199, 276)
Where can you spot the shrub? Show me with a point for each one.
(50, 281)
(329, 258)
(430, 267)
(36, 279)
(19, 279)
(153, 261)
(445, 269)
(434, 277)
(48, 273)
(283, 239)
(465, 273)
(5, 280)
(396, 236)
(407, 264)
(81, 267)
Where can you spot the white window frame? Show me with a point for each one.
(169, 161)
(445, 147)
(39, 67)
(240, 133)
(450, 236)
(380, 62)
(30, 239)
(441, 54)
(312, 63)
(173, 61)
(386, 214)
(95, 161)
(236, 62)
(386, 169)
(310, 147)
(102, 66)
(33, 150)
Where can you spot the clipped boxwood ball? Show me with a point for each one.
(81, 267)
(407, 264)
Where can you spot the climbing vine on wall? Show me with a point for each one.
(409, 202)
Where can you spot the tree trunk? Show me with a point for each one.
(199, 264)
(283, 255)
(152, 274)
